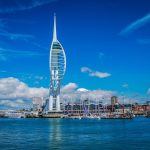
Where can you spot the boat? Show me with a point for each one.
(14, 114)
(76, 117)
(117, 116)
(147, 115)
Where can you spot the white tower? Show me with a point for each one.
(57, 70)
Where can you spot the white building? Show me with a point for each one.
(37, 103)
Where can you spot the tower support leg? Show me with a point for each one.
(50, 103)
(58, 103)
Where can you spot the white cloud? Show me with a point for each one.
(85, 69)
(16, 94)
(16, 36)
(70, 93)
(93, 73)
(92, 95)
(17, 104)
(82, 90)
(12, 88)
(13, 36)
(136, 25)
(21, 6)
(20, 101)
(8, 103)
(70, 87)
(11, 53)
(39, 77)
(125, 85)
(99, 74)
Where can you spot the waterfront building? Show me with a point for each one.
(148, 102)
(57, 65)
(37, 103)
(114, 100)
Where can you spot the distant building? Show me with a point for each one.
(114, 100)
(148, 102)
(37, 103)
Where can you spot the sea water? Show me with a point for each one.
(74, 134)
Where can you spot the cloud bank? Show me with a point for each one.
(72, 93)
(92, 95)
(17, 94)
(93, 73)
(12, 88)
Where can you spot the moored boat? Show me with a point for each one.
(14, 114)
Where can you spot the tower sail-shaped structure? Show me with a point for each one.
(57, 65)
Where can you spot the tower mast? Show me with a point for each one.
(54, 31)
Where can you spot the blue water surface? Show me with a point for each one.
(74, 134)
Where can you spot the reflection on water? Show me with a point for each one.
(55, 132)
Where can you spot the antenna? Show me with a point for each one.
(54, 31)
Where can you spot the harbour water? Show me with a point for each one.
(74, 134)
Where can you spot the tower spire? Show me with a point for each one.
(54, 31)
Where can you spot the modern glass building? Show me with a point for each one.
(57, 70)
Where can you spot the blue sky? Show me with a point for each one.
(107, 42)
